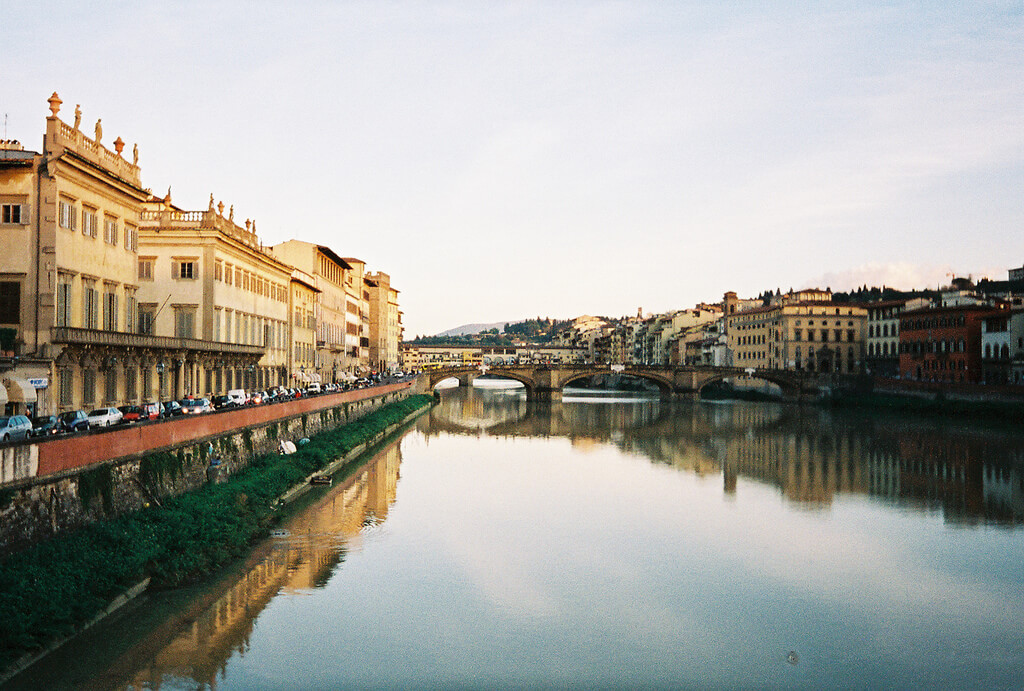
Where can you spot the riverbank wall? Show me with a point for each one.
(52, 591)
(942, 398)
(65, 483)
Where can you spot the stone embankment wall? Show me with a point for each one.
(97, 475)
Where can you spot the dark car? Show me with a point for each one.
(74, 421)
(45, 425)
(223, 401)
(173, 409)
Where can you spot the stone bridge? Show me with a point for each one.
(546, 382)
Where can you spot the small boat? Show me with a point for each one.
(321, 480)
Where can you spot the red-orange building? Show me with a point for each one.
(943, 343)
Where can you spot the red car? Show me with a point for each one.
(131, 413)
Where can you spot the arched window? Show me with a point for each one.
(988, 350)
(1004, 352)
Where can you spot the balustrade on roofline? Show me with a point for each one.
(77, 141)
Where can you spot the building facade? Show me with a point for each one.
(205, 279)
(943, 344)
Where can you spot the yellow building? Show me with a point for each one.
(338, 327)
(302, 361)
(803, 330)
(70, 238)
(385, 322)
(204, 278)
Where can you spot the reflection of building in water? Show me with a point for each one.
(809, 453)
(317, 541)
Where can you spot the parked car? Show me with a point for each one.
(238, 396)
(152, 410)
(172, 409)
(105, 417)
(14, 427)
(195, 406)
(45, 426)
(131, 413)
(313, 389)
(223, 401)
(74, 421)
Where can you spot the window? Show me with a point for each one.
(130, 308)
(66, 390)
(131, 238)
(147, 318)
(185, 269)
(130, 392)
(185, 321)
(90, 304)
(229, 273)
(218, 270)
(10, 302)
(14, 214)
(90, 222)
(110, 384)
(110, 230)
(110, 308)
(66, 213)
(227, 325)
(216, 323)
(63, 316)
(88, 387)
(146, 268)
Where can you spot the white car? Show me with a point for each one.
(105, 417)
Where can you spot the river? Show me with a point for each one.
(610, 541)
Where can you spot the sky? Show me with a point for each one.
(502, 161)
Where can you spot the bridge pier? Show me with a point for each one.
(544, 393)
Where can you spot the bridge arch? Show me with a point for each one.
(437, 376)
(665, 385)
(786, 381)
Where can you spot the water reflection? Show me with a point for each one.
(972, 475)
(301, 556)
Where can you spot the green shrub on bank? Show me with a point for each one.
(52, 589)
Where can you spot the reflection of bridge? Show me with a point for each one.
(546, 382)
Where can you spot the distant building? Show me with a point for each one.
(943, 344)
(883, 334)
(1002, 347)
(385, 322)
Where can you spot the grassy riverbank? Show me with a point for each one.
(53, 589)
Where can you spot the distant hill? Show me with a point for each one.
(467, 329)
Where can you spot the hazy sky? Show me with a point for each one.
(510, 160)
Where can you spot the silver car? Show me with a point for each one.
(14, 427)
(105, 417)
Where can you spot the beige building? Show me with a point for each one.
(302, 357)
(204, 278)
(385, 322)
(357, 315)
(69, 274)
(338, 318)
(803, 330)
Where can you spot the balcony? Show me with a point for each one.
(121, 339)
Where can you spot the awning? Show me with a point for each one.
(19, 390)
(3, 398)
(301, 376)
(315, 377)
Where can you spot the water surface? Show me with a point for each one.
(615, 541)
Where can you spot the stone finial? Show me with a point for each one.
(220, 208)
(78, 115)
(231, 214)
(99, 130)
(54, 102)
(135, 154)
(118, 146)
